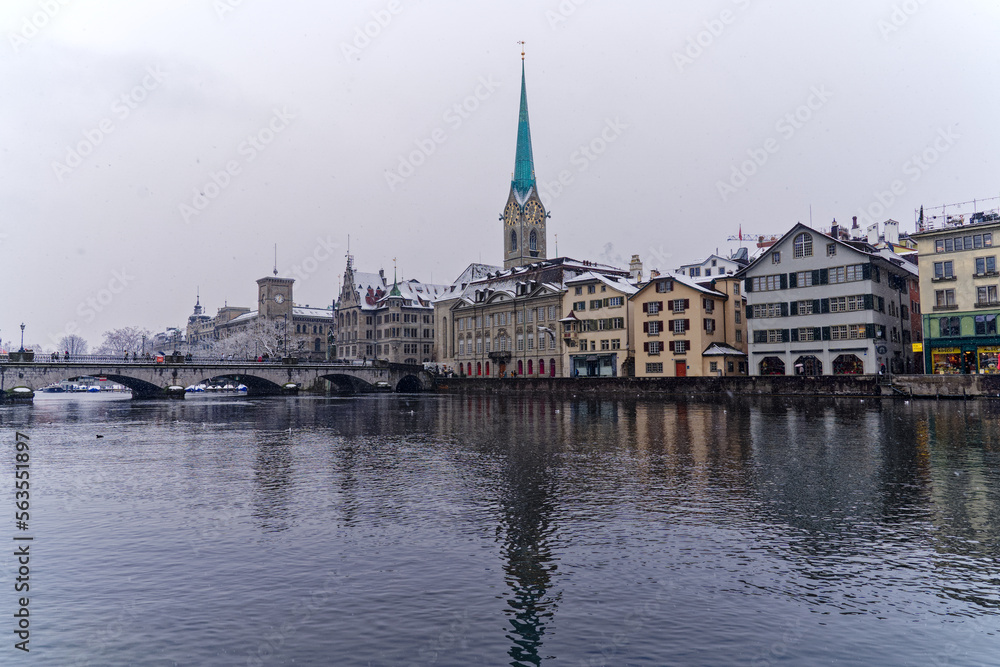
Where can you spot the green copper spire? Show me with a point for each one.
(395, 287)
(524, 165)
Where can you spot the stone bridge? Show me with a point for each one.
(157, 380)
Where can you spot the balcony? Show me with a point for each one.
(987, 304)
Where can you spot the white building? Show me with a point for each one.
(817, 305)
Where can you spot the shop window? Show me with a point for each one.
(848, 364)
(772, 366)
(808, 365)
(985, 325)
(950, 326)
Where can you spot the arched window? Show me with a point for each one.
(487, 369)
(479, 368)
(468, 369)
(531, 366)
(520, 367)
(803, 245)
(848, 364)
(541, 367)
(533, 241)
(513, 241)
(552, 368)
(808, 365)
(772, 366)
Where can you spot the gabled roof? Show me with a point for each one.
(722, 350)
(683, 280)
(796, 228)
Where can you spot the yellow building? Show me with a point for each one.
(960, 293)
(681, 327)
(595, 333)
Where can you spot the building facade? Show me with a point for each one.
(818, 305)
(960, 295)
(595, 331)
(686, 328)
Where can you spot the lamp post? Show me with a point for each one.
(22, 336)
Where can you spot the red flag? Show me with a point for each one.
(741, 231)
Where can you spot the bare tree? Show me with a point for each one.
(257, 338)
(73, 344)
(126, 339)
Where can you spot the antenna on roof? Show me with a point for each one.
(275, 259)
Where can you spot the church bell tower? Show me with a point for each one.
(524, 215)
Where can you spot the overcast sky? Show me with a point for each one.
(153, 147)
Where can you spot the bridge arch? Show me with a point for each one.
(348, 384)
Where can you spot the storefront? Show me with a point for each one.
(594, 365)
(987, 357)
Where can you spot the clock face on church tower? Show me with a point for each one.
(534, 213)
(510, 214)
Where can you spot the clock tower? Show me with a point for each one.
(524, 215)
(274, 298)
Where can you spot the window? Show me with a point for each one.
(679, 326)
(680, 346)
(739, 335)
(591, 289)
(986, 295)
(807, 334)
(653, 307)
(653, 346)
(856, 331)
(679, 305)
(531, 341)
(945, 270)
(541, 313)
(736, 288)
(694, 273)
(654, 368)
(595, 304)
(580, 305)
(616, 301)
(944, 298)
(665, 286)
(803, 245)
(984, 265)
(776, 257)
(804, 278)
(606, 344)
(709, 305)
(950, 326)
(766, 283)
(767, 310)
(520, 342)
(578, 290)
(838, 332)
(616, 343)
(831, 249)
(533, 241)
(709, 326)
(713, 367)
(806, 307)
(985, 325)
(513, 241)
(653, 327)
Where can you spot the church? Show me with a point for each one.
(496, 322)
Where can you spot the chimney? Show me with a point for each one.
(873, 233)
(855, 225)
(635, 269)
(835, 229)
(892, 232)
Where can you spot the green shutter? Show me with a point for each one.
(749, 312)
(793, 280)
(747, 285)
(818, 334)
(866, 271)
(869, 330)
(793, 308)
(824, 305)
(815, 276)
(785, 336)
(783, 278)
(868, 302)
(783, 309)
(824, 277)
(816, 306)
(826, 333)
(795, 335)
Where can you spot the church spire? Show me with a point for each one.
(524, 164)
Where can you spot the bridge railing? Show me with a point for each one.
(228, 360)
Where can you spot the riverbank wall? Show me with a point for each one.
(902, 386)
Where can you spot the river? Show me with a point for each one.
(455, 530)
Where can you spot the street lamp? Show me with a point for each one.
(22, 336)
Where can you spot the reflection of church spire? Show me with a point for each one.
(529, 564)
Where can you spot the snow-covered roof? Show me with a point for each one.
(621, 285)
(363, 280)
(721, 350)
(420, 294)
(252, 315)
(690, 282)
(304, 311)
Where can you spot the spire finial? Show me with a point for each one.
(522, 49)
